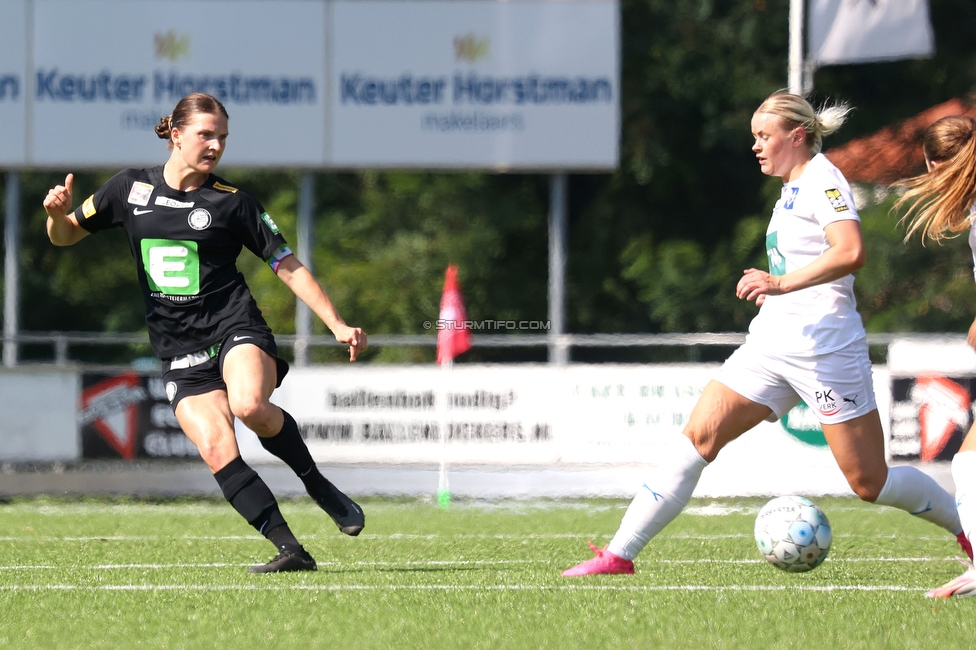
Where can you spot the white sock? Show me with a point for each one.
(964, 476)
(917, 493)
(660, 499)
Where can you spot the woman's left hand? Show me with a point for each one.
(755, 285)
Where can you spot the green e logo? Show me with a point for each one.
(172, 266)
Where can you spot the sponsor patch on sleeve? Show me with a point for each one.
(88, 207)
(836, 200)
(140, 193)
(224, 188)
(276, 257)
(271, 224)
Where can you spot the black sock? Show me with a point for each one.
(289, 446)
(251, 497)
(283, 539)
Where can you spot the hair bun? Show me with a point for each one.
(164, 128)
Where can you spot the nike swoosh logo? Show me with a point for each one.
(928, 506)
(241, 338)
(138, 211)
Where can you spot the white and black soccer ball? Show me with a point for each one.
(793, 533)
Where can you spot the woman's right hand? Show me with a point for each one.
(971, 338)
(62, 228)
(57, 203)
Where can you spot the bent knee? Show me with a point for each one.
(255, 413)
(216, 453)
(867, 488)
(706, 445)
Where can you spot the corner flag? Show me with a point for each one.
(452, 336)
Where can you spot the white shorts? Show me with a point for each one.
(837, 386)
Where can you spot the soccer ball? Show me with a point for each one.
(793, 534)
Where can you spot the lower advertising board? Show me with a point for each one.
(126, 415)
(37, 415)
(577, 416)
(933, 383)
(574, 416)
(930, 416)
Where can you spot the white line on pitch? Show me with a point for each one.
(430, 536)
(516, 587)
(450, 563)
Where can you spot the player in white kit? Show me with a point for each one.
(941, 204)
(807, 342)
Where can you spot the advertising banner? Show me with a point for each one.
(13, 81)
(126, 415)
(575, 416)
(105, 71)
(509, 85)
(479, 84)
(930, 416)
(933, 383)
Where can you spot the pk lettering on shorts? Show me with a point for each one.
(139, 193)
(826, 402)
(836, 200)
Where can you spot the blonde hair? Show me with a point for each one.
(797, 112)
(939, 201)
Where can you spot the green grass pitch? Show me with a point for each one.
(172, 574)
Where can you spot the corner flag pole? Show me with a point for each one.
(443, 489)
(453, 338)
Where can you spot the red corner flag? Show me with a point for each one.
(452, 336)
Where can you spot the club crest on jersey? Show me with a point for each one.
(790, 197)
(836, 200)
(199, 219)
(827, 403)
(140, 193)
(271, 224)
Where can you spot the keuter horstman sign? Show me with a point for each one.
(472, 84)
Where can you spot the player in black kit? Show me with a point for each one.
(186, 228)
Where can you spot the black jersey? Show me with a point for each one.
(186, 246)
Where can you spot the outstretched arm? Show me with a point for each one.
(307, 289)
(845, 255)
(62, 229)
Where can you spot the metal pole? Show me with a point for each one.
(558, 348)
(303, 315)
(796, 47)
(11, 268)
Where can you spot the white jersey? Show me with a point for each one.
(822, 318)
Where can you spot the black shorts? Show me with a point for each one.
(202, 372)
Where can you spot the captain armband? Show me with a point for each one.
(276, 257)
